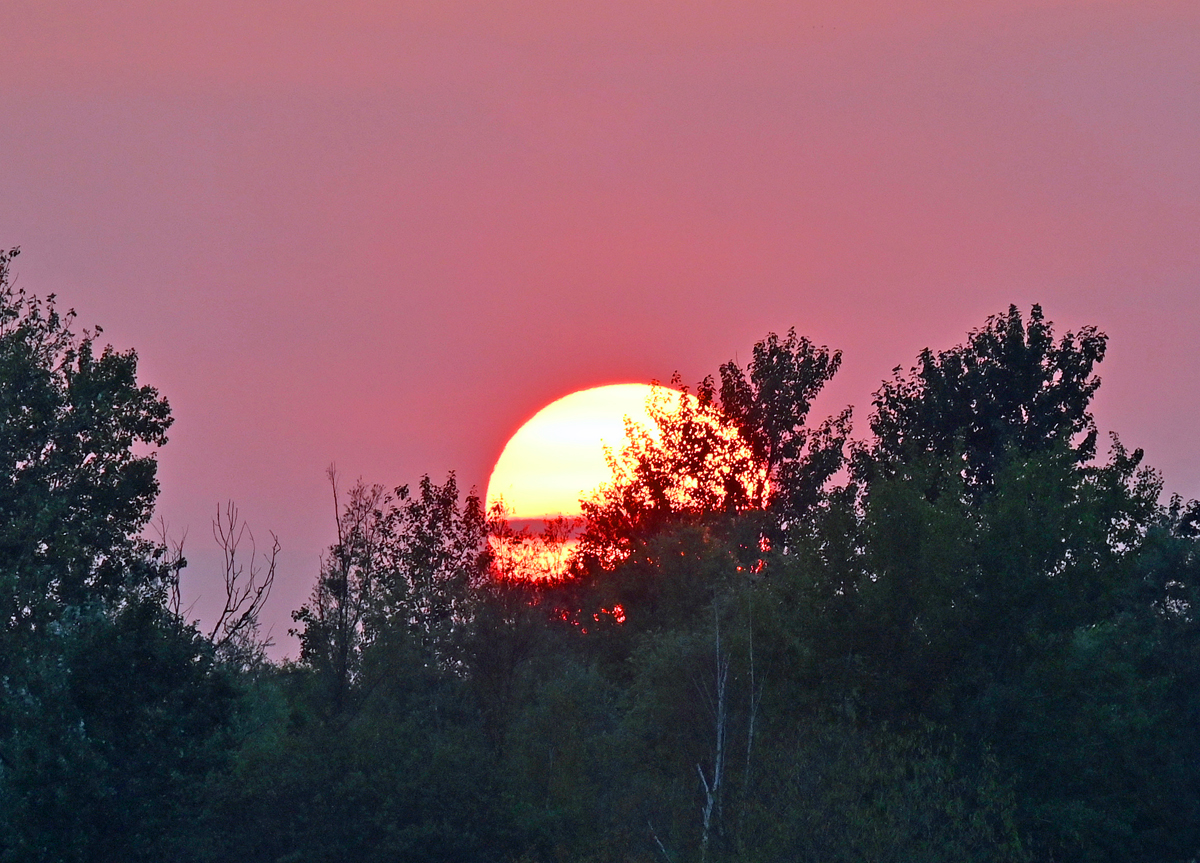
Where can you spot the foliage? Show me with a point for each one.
(874, 794)
(435, 553)
(407, 776)
(331, 623)
(398, 578)
(111, 709)
(1010, 389)
(110, 728)
(768, 403)
(74, 492)
(694, 463)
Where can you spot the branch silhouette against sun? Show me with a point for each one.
(742, 447)
(525, 554)
(697, 464)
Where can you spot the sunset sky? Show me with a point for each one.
(384, 234)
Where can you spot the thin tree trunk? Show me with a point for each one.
(755, 698)
(712, 791)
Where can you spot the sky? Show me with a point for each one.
(382, 235)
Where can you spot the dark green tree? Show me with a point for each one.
(999, 586)
(74, 490)
(111, 710)
(387, 750)
(435, 557)
(331, 622)
(1011, 389)
(401, 577)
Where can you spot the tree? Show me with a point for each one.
(400, 578)
(435, 555)
(1001, 589)
(331, 622)
(111, 709)
(385, 753)
(234, 634)
(834, 791)
(985, 524)
(1010, 389)
(74, 490)
(111, 727)
(695, 464)
(768, 403)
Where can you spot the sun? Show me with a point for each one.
(553, 460)
(557, 456)
(560, 455)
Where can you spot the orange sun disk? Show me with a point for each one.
(553, 460)
(560, 455)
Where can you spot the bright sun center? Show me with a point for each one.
(558, 455)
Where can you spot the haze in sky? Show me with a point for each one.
(384, 235)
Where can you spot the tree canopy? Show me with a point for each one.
(75, 492)
(1010, 388)
(112, 710)
(742, 447)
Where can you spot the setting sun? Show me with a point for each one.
(558, 455)
(580, 447)
(556, 458)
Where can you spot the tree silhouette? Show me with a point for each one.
(693, 464)
(769, 402)
(1010, 388)
(111, 709)
(742, 447)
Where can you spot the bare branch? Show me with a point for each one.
(247, 586)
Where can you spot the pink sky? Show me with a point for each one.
(384, 234)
